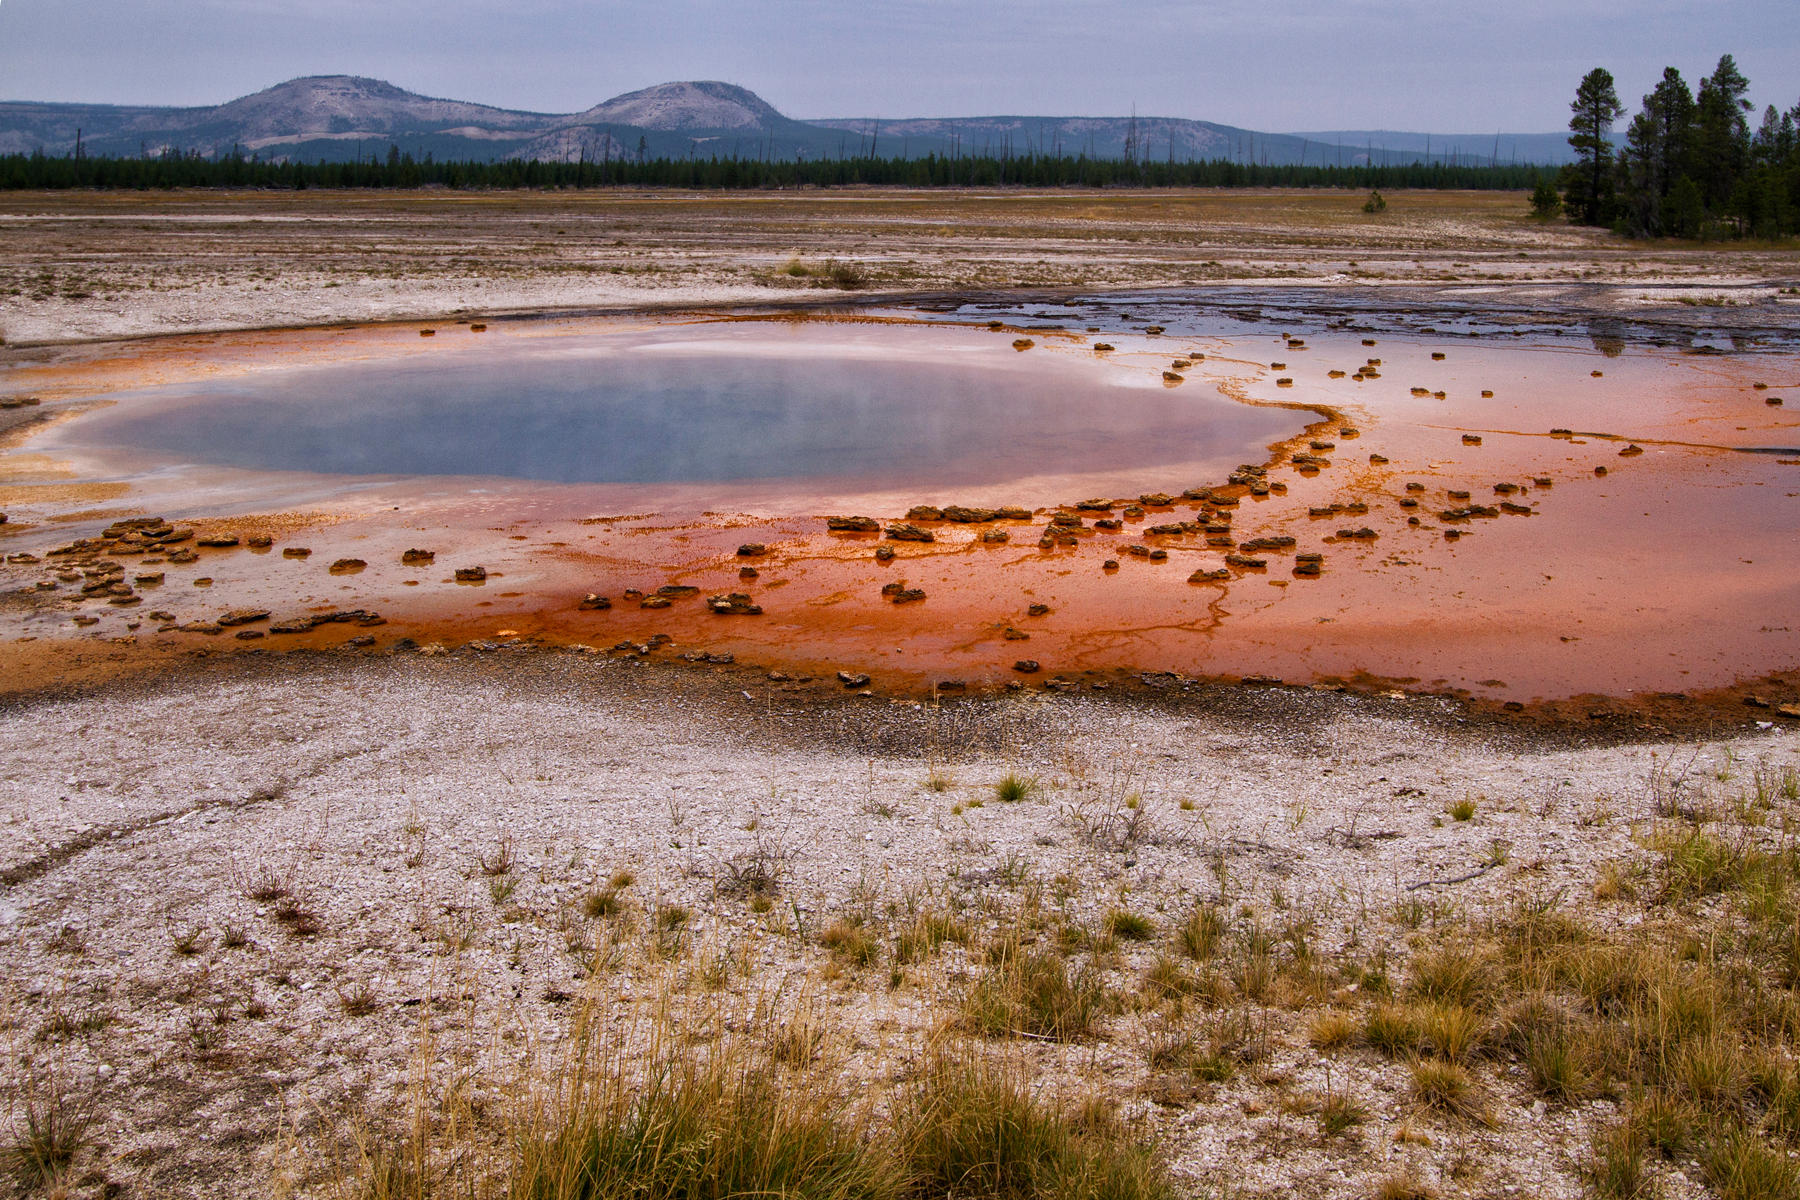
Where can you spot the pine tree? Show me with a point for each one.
(1658, 146)
(1722, 142)
(1595, 107)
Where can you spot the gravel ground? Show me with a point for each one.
(442, 820)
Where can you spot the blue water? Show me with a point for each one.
(682, 416)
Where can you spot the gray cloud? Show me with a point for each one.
(1312, 64)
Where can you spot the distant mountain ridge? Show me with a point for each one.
(338, 117)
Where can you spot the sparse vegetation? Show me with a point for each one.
(1014, 787)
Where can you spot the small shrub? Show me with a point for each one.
(1461, 810)
(267, 885)
(1376, 203)
(604, 902)
(55, 1128)
(1452, 974)
(1034, 992)
(500, 861)
(850, 942)
(358, 1001)
(1331, 1031)
(1615, 1168)
(1130, 926)
(1339, 1113)
(299, 920)
(1395, 1030)
(1446, 1088)
(1404, 1186)
(970, 1128)
(1740, 1167)
(1199, 935)
(925, 934)
(1014, 787)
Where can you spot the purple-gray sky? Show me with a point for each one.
(1263, 64)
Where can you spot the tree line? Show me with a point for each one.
(397, 170)
(1689, 165)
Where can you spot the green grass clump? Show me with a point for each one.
(703, 1126)
(1199, 935)
(1014, 787)
(973, 1129)
(1035, 992)
(1129, 926)
(850, 942)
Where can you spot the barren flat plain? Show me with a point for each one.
(1301, 701)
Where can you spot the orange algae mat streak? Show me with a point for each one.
(1639, 548)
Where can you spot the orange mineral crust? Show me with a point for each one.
(1519, 521)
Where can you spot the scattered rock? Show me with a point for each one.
(749, 573)
(853, 679)
(1204, 576)
(1102, 347)
(593, 602)
(655, 602)
(346, 566)
(244, 616)
(1631, 451)
(884, 554)
(1015, 635)
(1111, 564)
(414, 558)
(903, 532)
(1038, 610)
(736, 604)
(295, 552)
(752, 550)
(218, 540)
(1023, 343)
(471, 574)
(1245, 562)
(1027, 666)
(993, 536)
(1470, 439)
(853, 524)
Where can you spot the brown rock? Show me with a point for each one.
(415, 558)
(471, 574)
(347, 566)
(736, 604)
(1027, 666)
(593, 602)
(902, 532)
(853, 524)
(752, 550)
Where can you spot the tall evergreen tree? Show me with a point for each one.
(1722, 133)
(1595, 107)
(1658, 149)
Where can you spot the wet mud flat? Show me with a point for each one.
(1521, 514)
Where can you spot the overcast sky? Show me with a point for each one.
(1438, 65)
